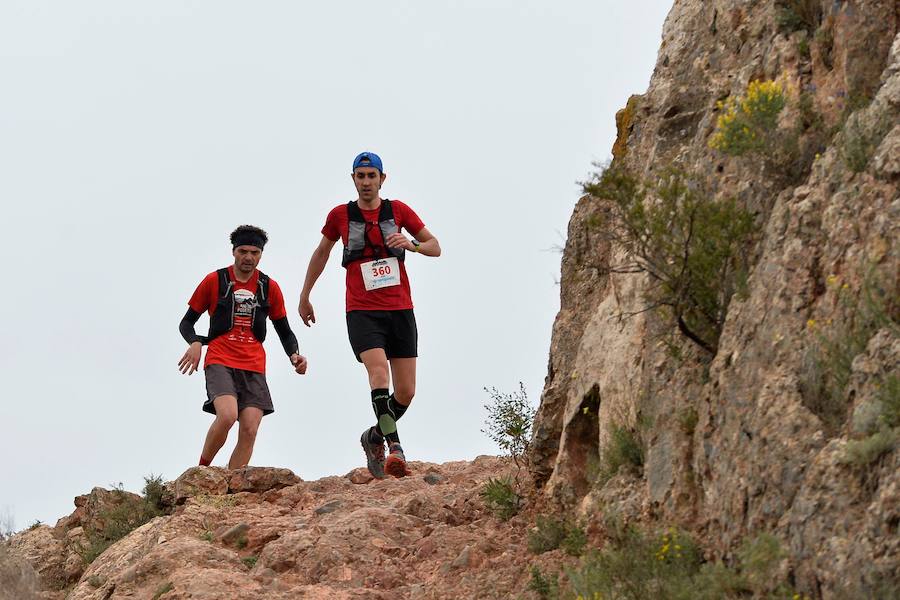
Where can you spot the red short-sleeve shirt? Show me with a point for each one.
(396, 297)
(239, 348)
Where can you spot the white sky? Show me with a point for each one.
(135, 136)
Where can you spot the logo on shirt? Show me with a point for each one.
(244, 303)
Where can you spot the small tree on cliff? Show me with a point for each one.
(694, 248)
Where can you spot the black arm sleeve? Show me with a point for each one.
(186, 327)
(287, 337)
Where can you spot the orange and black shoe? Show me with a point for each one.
(395, 464)
(374, 453)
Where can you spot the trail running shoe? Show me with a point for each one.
(395, 465)
(374, 454)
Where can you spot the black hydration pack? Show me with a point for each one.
(358, 228)
(222, 319)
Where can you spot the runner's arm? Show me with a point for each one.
(186, 327)
(428, 244)
(313, 271)
(287, 337)
(190, 361)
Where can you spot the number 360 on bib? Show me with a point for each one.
(381, 273)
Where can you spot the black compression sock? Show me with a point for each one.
(396, 408)
(387, 422)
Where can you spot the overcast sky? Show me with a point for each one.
(134, 136)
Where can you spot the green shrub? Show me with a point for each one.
(509, 421)
(794, 15)
(835, 344)
(861, 139)
(127, 514)
(250, 561)
(857, 148)
(547, 588)
(861, 453)
(623, 448)
(694, 249)
(500, 498)
(154, 491)
(638, 566)
(748, 123)
(687, 420)
(824, 39)
(758, 558)
(889, 397)
(876, 584)
(551, 533)
(810, 118)
(575, 541)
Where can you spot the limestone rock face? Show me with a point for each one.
(732, 446)
(266, 534)
(18, 581)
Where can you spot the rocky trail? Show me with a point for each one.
(265, 533)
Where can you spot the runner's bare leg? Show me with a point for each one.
(249, 420)
(226, 415)
(403, 373)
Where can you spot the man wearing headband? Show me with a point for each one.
(380, 320)
(238, 298)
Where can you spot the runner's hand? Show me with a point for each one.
(191, 359)
(398, 240)
(306, 312)
(299, 363)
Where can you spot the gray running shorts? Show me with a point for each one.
(248, 387)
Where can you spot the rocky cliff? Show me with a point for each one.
(747, 438)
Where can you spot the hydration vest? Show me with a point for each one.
(357, 240)
(222, 319)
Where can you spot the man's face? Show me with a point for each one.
(246, 258)
(368, 181)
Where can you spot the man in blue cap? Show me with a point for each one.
(380, 320)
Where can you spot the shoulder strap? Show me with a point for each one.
(224, 282)
(354, 213)
(262, 286)
(387, 213)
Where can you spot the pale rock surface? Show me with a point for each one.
(268, 534)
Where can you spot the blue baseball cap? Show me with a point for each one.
(368, 159)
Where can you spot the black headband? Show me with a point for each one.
(248, 238)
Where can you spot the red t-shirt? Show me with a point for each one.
(239, 348)
(397, 297)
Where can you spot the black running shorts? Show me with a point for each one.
(393, 330)
(250, 388)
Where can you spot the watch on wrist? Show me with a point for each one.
(415, 244)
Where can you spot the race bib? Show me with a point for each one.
(381, 273)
